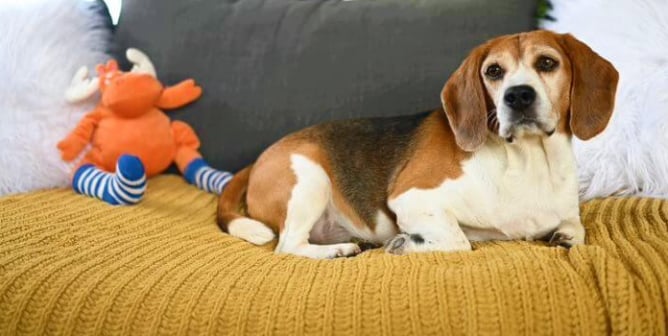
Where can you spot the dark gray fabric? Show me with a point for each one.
(271, 67)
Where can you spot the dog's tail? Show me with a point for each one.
(232, 221)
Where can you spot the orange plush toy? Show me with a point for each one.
(131, 137)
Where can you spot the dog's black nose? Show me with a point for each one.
(519, 97)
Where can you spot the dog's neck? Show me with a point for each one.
(531, 152)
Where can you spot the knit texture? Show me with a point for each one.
(70, 264)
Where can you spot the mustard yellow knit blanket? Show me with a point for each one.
(74, 265)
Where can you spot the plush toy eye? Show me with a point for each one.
(546, 64)
(494, 72)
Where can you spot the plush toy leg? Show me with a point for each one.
(197, 172)
(206, 178)
(125, 187)
(189, 161)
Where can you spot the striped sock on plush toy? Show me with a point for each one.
(125, 187)
(206, 178)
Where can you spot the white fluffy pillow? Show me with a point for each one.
(42, 43)
(631, 156)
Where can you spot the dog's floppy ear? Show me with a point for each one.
(593, 87)
(465, 102)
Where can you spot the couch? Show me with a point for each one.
(74, 265)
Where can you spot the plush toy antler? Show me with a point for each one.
(142, 64)
(130, 135)
(172, 97)
(83, 87)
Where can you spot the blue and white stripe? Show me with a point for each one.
(212, 180)
(115, 189)
(206, 178)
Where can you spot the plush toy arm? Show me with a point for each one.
(179, 94)
(76, 141)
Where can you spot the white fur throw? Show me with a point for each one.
(42, 43)
(631, 156)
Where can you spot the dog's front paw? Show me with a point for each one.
(566, 239)
(398, 244)
(405, 243)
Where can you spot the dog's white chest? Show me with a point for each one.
(518, 191)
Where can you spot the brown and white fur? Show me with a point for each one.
(494, 163)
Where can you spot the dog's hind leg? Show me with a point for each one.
(308, 202)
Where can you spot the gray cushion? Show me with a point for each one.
(275, 66)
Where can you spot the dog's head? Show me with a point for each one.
(529, 84)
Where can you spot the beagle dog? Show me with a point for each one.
(493, 163)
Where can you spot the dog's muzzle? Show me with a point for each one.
(520, 99)
(523, 116)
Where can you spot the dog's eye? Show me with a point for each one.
(546, 64)
(494, 72)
